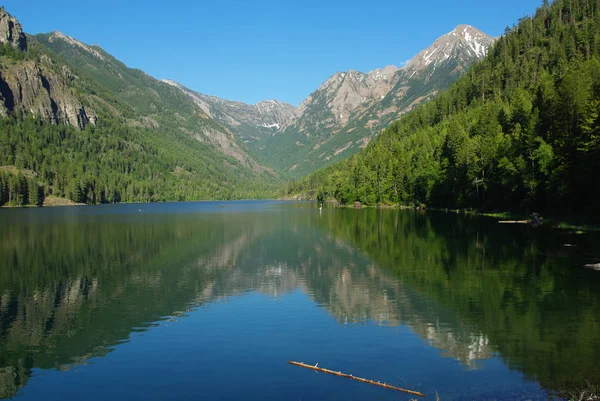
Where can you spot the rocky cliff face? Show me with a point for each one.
(347, 94)
(346, 111)
(341, 95)
(40, 88)
(29, 87)
(11, 32)
(463, 45)
(430, 71)
(273, 113)
(249, 122)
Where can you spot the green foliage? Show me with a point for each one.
(115, 163)
(151, 143)
(33, 192)
(14, 189)
(11, 52)
(519, 132)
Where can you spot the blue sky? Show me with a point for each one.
(251, 50)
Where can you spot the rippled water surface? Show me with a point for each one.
(210, 301)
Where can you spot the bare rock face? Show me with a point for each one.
(265, 114)
(464, 44)
(11, 31)
(29, 87)
(350, 108)
(346, 95)
(273, 113)
(341, 96)
(248, 121)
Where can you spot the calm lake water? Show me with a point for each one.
(190, 301)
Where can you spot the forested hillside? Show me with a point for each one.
(114, 163)
(87, 128)
(521, 131)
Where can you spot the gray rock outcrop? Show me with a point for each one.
(11, 31)
(31, 87)
(27, 87)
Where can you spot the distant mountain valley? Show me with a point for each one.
(227, 149)
(348, 109)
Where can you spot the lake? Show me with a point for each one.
(209, 300)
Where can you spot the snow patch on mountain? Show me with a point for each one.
(463, 44)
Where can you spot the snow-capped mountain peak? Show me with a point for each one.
(464, 44)
(477, 40)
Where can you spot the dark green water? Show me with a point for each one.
(210, 301)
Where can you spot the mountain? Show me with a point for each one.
(350, 108)
(520, 131)
(250, 123)
(36, 87)
(77, 123)
(11, 32)
(154, 104)
(430, 71)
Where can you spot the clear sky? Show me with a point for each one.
(251, 50)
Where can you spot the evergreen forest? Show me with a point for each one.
(519, 132)
(117, 159)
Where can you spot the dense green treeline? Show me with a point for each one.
(16, 189)
(149, 143)
(520, 131)
(114, 163)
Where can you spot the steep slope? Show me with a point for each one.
(249, 122)
(11, 32)
(430, 71)
(34, 84)
(342, 116)
(82, 125)
(520, 131)
(151, 103)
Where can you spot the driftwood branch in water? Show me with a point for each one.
(515, 221)
(360, 379)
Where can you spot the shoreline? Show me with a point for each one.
(549, 221)
(68, 202)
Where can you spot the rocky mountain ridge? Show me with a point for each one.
(57, 35)
(464, 43)
(349, 108)
(145, 101)
(250, 122)
(356, 104)
(343, 92)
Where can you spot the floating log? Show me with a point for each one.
(593, 266)
(515, 221)
(360, 379)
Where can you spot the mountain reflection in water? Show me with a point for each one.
(74, 285)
